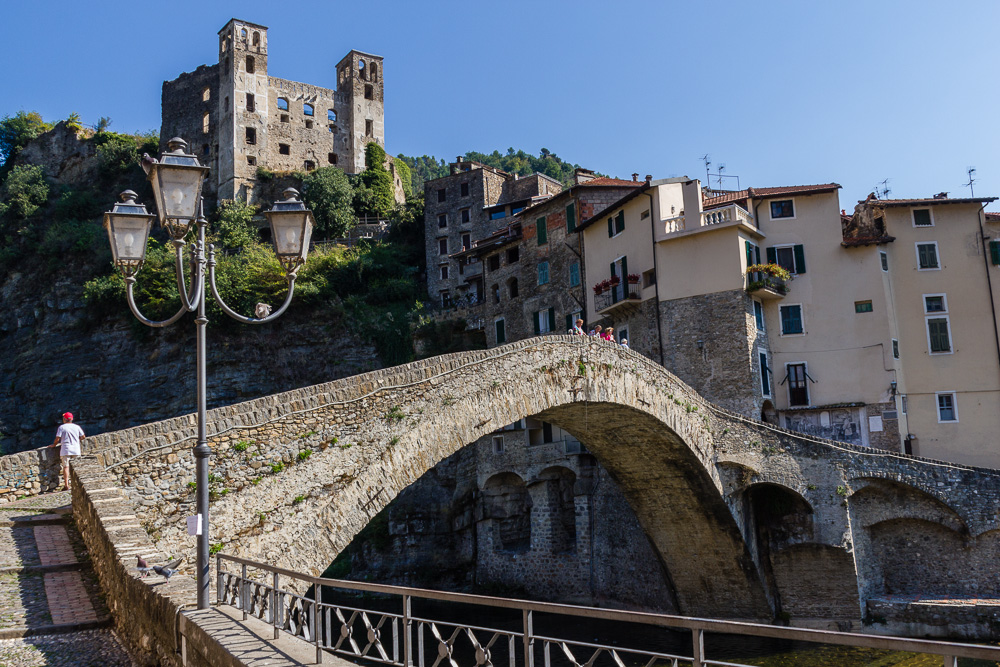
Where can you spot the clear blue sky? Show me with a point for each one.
(780, 92)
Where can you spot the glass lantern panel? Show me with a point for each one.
(128, 237)
(178, 193)
(286, 230)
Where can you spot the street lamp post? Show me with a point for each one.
(177, 179)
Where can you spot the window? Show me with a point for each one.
(442, 220)
(649, 278)
(331, 115)
(206, 94)
(284, 118)
(331, 158)
(498, 444)
(309, 165)
(791, 320)
(513, 254)
(250, 102)
(441, 195)
(250, 65)
(466, 215)
(783, 208)
(922, 217)
(798, 389)
(880, 226)
(512, 288)
(895, 348)
(546, 432)
(574, 274)
(947, 410)
(369, 128)
(444, 271)
(938, 335)
(543, 273)
(282, 104)
(644, 214)
(369, 92)
(541, 232)
(332, 128)
(927, 256)
(309, 125)
(496, 293)
(514, 210)
(465, 189)
(204, 123)
(765, 379)
(497, 215)
(863, 307)
(251, 160)
(995, 252)
(251, 136)
(307, 109)
(494, 262)
(935, 303)
(884, 258)
(500, 331)
(543, 320)
(466, 241)
(374, 72)
(790, 257)
(256, 38)
(616, 224)
(445, 299)
(284, 149)
(570, 218)
(442, 246)
(758, 315)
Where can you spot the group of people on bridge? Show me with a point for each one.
(597, 332)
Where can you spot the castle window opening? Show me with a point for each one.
(442, 220)
(331, 158)
(309, 124)
(205, 149)
(282, 104)
(512, 288)
(494, 262)
(225, 44)
(332, 128)
(361, 68)
(309, 165)
(206, 94)
(251, 160)
(373, 77)
(442, 246)
(498, 444)
(465, 215)
(284, 149)
(444, 272)
(250, 102)
(513, 255)
(250, 65)
(251, 136)
(307, 109)
(256, 38)
(369, 128)
(204, 123)
(243, 33)
(284, 118)
(496, 293)
(465, 189)
(466, 241)
(369, 92)
(441, 195)
(331, 115)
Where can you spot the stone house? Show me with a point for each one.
(237, 118)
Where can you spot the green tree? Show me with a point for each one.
(405, 176)
(328, 192)
(23, 193)
(234, 224)
(378, 179)
(15, 133)
(116, 153)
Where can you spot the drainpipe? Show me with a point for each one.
(656, 273)
(989, 280)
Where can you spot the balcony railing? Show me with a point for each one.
(620, 293)
(767, 281)
(717, 216)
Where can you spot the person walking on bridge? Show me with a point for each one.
(68, 438)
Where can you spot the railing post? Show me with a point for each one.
(529, 639)
(950, 661)
(276, 608)
(243, 591)
(407, 633)
(316, 622)
(697, 647)
(218, 580)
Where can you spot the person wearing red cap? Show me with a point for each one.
(68, 436)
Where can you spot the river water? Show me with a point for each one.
(761, 652)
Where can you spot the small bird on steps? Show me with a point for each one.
(168, 570)
(144, 568)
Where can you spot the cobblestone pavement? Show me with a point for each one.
(42, 536)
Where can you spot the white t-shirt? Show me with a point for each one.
(69, 437)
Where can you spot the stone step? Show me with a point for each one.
(54, 629)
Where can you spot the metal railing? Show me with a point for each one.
(402, 639)
(617, 294)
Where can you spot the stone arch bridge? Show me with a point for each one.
(749, 520)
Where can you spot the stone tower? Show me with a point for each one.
(243, 108)
(360, 92)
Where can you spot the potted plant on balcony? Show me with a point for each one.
(614, 280)
(767, 276)
(599, 288)
(633, 279)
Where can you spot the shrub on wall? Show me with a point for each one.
(327, 191)
(378, 179)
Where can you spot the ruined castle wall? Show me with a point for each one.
(185, 102)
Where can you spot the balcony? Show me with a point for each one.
(732, 214)
(617, 297)
(767, 281)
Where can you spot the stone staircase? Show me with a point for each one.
(51, 608)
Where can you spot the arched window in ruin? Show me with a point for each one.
(331, 115)
(307, 109)
(204, 123)
(507, 505)
(251, 67)
(560, 503)
(243, 33)
(282, 104)
(206, 94)
(374, 73)
(256, 38)
(512, 287)
(361, 69)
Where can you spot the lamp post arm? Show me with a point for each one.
(232, 313)
(190, 299)
(129, 283)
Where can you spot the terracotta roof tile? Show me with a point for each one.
(992, 216)
(928, 201)
(741, 195)
(604, 180)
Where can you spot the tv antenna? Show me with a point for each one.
(721, 175)
(884, 191)
(708, 163)
(971, 171)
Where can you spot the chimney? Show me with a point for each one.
(649, 179)
(581, 175)
(635, 177)
(941, 195)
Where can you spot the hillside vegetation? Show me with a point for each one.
(427, 168)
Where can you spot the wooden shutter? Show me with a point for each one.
(611, 227)
(800, 259)
(749, 249)
(541, 231)
(620, 222)
(772, 256)
(570, 218)
(995, 252)
(538, 327)
(625, 272)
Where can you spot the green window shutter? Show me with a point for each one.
(995, 252)
(569, 322)
(611, 227)
(756, 252)
(574, 274)
(749, 249)
(613, 269)
(772, 256)
(620, 222)
(938, 331)
(625, 269)
(501, 332)
(800, 259)
(538, 326)
(541, 231)
(570, 218)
